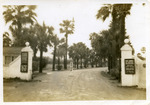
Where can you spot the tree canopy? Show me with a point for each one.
(56, 41)
(115, 35)
(6, 40)
(67, 27)
(19, 16)
(44, 34)
(78, 52)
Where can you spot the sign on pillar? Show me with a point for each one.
(129, 66)
(26, 62)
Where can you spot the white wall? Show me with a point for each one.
(13, 70)
(141, 71)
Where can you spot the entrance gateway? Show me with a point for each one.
(133, 73)
(21, 66)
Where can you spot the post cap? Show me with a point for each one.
(126, 41)
(27, 44)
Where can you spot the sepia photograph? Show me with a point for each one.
(74, 50)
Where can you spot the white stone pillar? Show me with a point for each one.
(26, 75)
(126, 53)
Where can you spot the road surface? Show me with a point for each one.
(85, 84)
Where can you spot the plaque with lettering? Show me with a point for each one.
(24, 62)
(129, 66)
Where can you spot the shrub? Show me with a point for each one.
(44, 62)
(35, 65)
(114, 72)
(59, 67)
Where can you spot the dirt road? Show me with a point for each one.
(88, 84)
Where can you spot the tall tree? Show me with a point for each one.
(92, 57)
(117, 29)
(73, 53)
(86, 57)
(61, 52)
(77, 52)
(81, 51)
(19, 16)
(44, 34)
(56, 41)
(118, 13)
(67, 27)
(97, 44)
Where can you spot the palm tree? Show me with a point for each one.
(44, 34)
(56, 41)
(74, 54)
(97, 43)
(6, 40)
(118, 13)
(18, 17)
(61, 52)
(67, 27)
(87, 57)
(29, 35)
(77, 52)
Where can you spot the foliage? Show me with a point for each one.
(6, 40)
(31, 37)
(44, 62)
(56, 41)
(78, 52)
(35, 65)
(116, 34)
(67, 27)
(99, 45)
(19, 16)
(44, 34)
(92, 57)
(61, 50)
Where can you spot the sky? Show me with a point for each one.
(84, 16)
(53, 12)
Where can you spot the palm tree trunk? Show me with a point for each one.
(58, 60)
(92, 62)
(77, 63)
(109, 63)
(65, 66)
(81, 62)
(41, 57)
(54, 57)
(34, 53)
(122, 37)
(64, 61)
